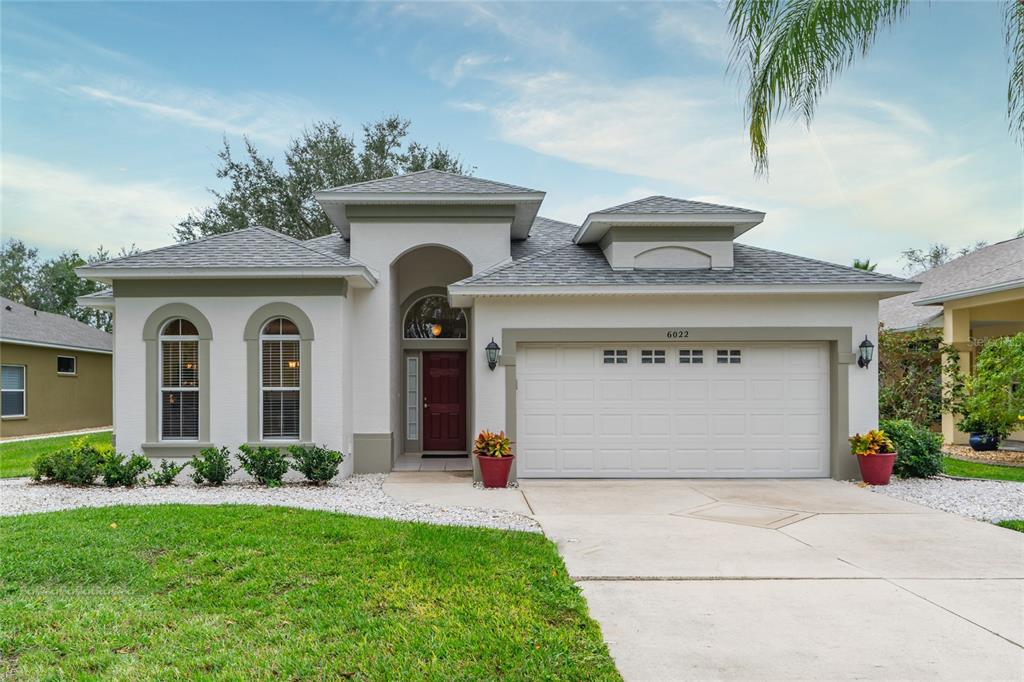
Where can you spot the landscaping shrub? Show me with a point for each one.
(318, 464)
(78, 464)
(166, 473)
(910, 375)
(117, 470)
(266, 464)
(212, 466)
(918, 449)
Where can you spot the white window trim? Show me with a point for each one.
(280, 337)
(412, 397)
(23, 391)
(161, 389)
(67, 374)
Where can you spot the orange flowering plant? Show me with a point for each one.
(874, 442)
(490, 444)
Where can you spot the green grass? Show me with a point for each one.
(1013, 524)
(238, 592)
(959, 467)
(16, 458)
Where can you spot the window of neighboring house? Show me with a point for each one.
(67, 364)
(279, 380)
(179, 381)
(691, 357)
(652, 357)
(728, 357)
(616, 356)
(12, 400)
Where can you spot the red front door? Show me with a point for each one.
(444, 401)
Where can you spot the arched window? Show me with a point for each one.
(179, 380)
(280, 379)
(432, 318)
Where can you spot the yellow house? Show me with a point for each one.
(57, 373)
(972, 298)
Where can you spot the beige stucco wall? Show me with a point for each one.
(57, 402)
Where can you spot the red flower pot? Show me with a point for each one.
(876, 469)
(494, 470)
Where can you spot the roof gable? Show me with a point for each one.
(661, 204)
(431, 181)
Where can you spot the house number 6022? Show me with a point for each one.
(678, 334)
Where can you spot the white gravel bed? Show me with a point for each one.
(360, 495)
(983, 500)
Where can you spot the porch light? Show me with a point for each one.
(435, 330)
(492, 350)
(865, 352)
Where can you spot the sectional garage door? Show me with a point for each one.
(625, 410)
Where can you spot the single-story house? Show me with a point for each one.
(645, 342)
(57, 373)
(972, 298)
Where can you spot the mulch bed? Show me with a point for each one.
(1012, 458)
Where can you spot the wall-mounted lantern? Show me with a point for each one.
(865, 352)
(492, 349)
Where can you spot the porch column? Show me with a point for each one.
(956, 332)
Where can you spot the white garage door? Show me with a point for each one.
(625, 410)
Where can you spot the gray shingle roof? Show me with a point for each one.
(663, 204)
(21, 323)
(432, 182)
(585, 264)
(989, 266)
(255, 247)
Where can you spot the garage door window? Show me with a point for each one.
(729, 357)
(617, 356)
(691, 357)
(652, 357)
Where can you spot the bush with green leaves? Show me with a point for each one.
(318, 464)
(918, 449)
(991, 400)
(166, 473)
(78, 464)
(117, 470)
(266, 464)
(211, 466)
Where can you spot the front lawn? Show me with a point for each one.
(16, 458)
(240, 592)
(1013, 524)
(959, 467)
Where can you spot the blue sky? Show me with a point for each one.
(112, 114)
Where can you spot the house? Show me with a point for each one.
(971, 298)
(57, 372)
(645, 342)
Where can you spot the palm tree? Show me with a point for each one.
(792, 50)
(865, 264)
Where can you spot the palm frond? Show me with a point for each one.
(792, 50)
(1015, 56)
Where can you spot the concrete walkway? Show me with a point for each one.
(770, 580)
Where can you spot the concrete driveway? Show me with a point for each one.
(771, 580)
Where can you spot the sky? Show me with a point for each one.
(112, 114)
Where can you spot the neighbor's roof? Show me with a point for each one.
(431, 181)
(992, 268)
(256, 249)
(586, 265)
(21, 324)
(663, 204)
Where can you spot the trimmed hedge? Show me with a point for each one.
(918, 449)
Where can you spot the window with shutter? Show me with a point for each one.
(179, 381)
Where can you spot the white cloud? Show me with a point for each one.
(698, 26)
(56, 208)
(463, 66)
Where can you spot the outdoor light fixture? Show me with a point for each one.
(435, 330)
(865, 352)
(492, 354)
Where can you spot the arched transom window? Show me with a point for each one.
(280, 384)
(432, 318)
(179, 381)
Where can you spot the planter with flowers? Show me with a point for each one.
(875, 455)
(494, 452)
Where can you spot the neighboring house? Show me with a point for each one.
(971, 298)
(57, 373)
(643, 343)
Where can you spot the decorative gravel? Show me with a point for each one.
(984, 500)
(359, 494)
(1004, 457)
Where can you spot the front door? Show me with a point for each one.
(444, 401)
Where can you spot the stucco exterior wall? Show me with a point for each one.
(493, 315)
(57, 402)
(229, 370)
